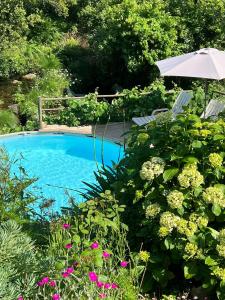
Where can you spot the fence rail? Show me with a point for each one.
(42, 100)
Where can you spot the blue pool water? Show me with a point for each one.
(60, 160)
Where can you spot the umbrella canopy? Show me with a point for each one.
(208, 63)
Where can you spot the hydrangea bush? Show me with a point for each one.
(172, 181)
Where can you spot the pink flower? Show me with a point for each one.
(68, 246)
(94, 245)
(20, 298)
(45, 280)
(56, 297)
(99, 284)
(93, 276)
(114, 286)
(69, 270)
(40, 283)
(107, 285)
(123, 264)
(66, 226)
(52, 283)
(65, 274)
(102, 296)
(105, 254)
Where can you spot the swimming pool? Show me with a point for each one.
(60, 161)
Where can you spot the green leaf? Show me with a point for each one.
(209, 261)
(102, 278)
(169, 243)
(76, 239)
(60, 265)
(216, 209)
(197, 144)
(190, 271)
(190, 159)
(170, 173)
(218, 137)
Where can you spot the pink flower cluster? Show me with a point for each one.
(46, 280)
(93, 277)
(68, 272)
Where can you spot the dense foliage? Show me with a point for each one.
(172, 183)
(105, 43)
(135, 102)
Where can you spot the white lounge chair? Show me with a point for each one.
(213, 109)
(182, 100)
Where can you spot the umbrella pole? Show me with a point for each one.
(206, 94)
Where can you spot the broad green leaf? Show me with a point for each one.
(221, 187)
(216, 210)
(209, 261)
(60, 265)
(190, 159)
(76, 239)
(169, 174)
(218, 137)
(197, 144)
(190, 270)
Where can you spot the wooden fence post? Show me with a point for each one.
(40, 113)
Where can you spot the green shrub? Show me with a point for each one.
(8, 121)
(135, 102)
(89, 251)
(172, 182)
(138, 102)
(15, 202)
(83, 111)
(20, 263)
(24, 57)
(51, 84)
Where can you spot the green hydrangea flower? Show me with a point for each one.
(214, 195)
(221, 250)
(142, 137)
(147, 172)
(215, 160)
(163, 231)
(191, 249)
(199, 220)
(175, 199)
(182, 226)
(186, 228)
(190, 177)
(152, 210)
(153, 168)
(169, 220)
(219, 273)
(221, 237)
(144, 256)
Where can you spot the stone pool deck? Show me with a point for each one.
(111, 131)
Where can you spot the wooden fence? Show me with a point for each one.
(42, 100)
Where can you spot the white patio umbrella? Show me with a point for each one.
(206, 63)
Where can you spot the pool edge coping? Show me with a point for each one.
(60, 132)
